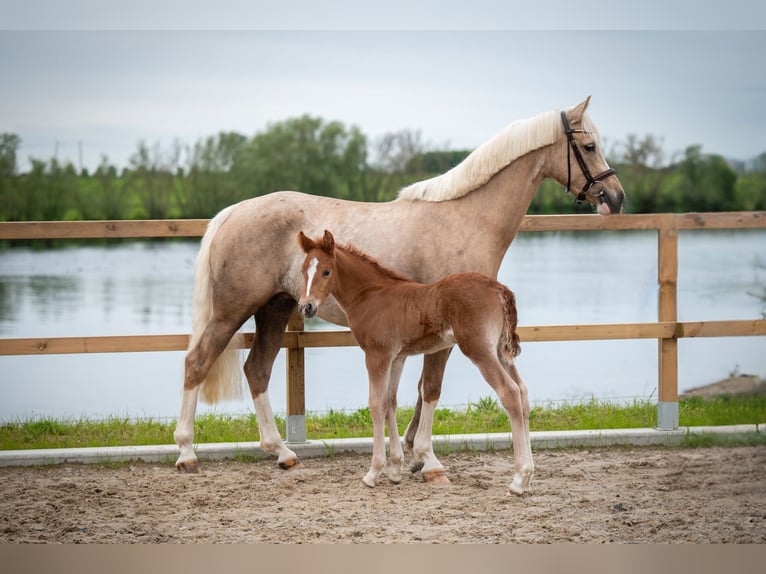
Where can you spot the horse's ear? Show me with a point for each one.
(305, 243)
(328, 242)
(576, 113)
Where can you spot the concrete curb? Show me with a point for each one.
(315, 448)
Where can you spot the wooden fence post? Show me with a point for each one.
(296, 385)
(667, 276)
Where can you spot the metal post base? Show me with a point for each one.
(296, 428)
(667, 416)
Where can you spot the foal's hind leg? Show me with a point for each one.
(514, 373)
(197, 365)
(270, 323)
(510, 395)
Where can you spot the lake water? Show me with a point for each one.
(559, 278)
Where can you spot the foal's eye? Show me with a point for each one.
(326, 273)
(590, 147)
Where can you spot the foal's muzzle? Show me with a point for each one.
(307, 309)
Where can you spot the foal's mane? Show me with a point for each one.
(511, 143)
(385, 271)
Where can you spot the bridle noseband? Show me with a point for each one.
(590, 180)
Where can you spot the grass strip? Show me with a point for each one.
(483, 416)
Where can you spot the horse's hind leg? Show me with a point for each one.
(428, 398)
(270, 323)
(430, 384)
(197, 365)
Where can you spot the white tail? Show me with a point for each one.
(224, 380)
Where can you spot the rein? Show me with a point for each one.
(573, 147)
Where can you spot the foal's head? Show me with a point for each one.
(318, 272)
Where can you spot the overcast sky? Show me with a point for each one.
(700, 80)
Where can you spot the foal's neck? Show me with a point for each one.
(356, 272)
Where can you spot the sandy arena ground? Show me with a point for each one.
(599, 495)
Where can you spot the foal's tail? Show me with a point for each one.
(509, 346)
(224, 379)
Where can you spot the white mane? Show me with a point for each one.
(514, 141)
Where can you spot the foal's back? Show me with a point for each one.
(469, 309)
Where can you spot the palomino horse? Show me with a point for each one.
(249, 263)
(392, 317)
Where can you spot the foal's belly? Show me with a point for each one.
(429, 343)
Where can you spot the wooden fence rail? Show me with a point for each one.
(667, 330)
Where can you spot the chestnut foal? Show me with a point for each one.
(392, 317)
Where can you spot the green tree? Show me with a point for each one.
(109, 197)
(639, 162)
(750, 188)
(707, 182)
(9, 145)
(303, 154)
(152, 178)
(48, 191)
(395, 165)
(208, 185)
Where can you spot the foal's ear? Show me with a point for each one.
(328, 243)
(305, 243)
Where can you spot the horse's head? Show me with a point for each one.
(318, 272)
(591, 179)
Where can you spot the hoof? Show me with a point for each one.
(369, 481)
(395, 478)
(437, 476)
(190, 467)
(291, 464)
(417, 466)
(515, 491)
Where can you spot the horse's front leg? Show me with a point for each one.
(378, 370)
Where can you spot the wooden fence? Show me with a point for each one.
(667, 330)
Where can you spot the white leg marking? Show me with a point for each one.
(184, 433)
(270, 439)
(423, 448)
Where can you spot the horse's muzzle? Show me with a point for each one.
(614, 201)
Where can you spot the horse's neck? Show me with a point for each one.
(508, 194)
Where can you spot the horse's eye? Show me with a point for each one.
(590, 147)
(326, 273)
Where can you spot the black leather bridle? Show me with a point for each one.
(590, 180)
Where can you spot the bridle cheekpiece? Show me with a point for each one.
(590, 180)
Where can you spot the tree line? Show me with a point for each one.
(331, 159)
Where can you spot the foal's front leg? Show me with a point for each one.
(378, 371)
(395, 443)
